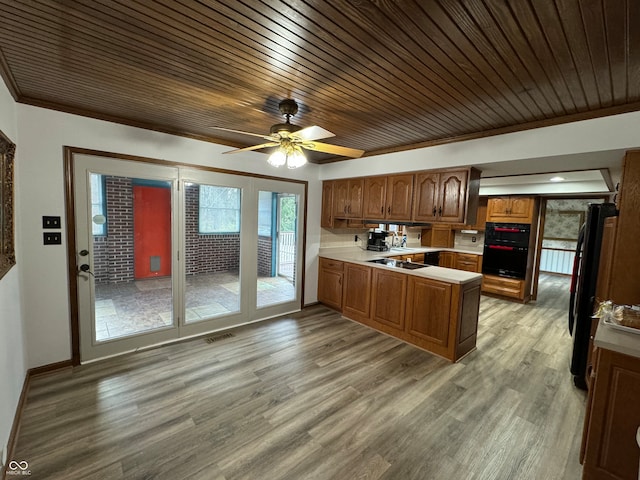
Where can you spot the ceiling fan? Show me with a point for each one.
(291, 139)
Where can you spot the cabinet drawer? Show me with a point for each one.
(467, 257)
(331, 264)
(509, 287)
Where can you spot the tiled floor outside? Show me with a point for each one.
(128, 308)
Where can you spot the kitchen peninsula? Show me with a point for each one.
(433, 308)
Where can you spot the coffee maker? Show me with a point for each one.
(377, 241)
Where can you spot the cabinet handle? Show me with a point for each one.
(434, 211)
(440, 211)
(349, 209)
(388, 209)
(382, 209)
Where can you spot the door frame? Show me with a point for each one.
(70, 225)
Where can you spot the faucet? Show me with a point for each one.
(404, 241)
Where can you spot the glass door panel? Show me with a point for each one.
(277, 248)
(126, 245)
(212, 251)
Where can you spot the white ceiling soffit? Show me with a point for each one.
(576, 182)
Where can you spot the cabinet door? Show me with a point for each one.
(375, 193)
(428, 310)
(330, 288)
(326, 217)
(611, 448)
(388, 299)
(497, 207)
(467, 262)
(425, 200)
(447, 259)
(453, 194)
(340, 198)
(441, 236)
(399, 197)
(356, 293)
(356, 191)
(520, 209)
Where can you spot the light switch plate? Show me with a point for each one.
(50, 222)
(52, 238)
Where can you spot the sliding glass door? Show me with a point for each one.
(169, 252)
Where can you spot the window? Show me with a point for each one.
(219, 209)
(98, 205)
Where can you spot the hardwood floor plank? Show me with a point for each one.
(316, 396)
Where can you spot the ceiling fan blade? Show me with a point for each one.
(266, 137)
(311, 133)
(334, 149)
(254, 147)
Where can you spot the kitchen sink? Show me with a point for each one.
(389, 262)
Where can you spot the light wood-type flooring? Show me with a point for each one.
(315, 396)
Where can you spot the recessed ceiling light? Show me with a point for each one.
(556, 179)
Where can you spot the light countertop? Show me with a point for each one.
(358, 255)
(617, 340)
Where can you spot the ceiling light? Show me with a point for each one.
(556, 179)
(287, 154)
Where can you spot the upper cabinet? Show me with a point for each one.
(439, 196)
(347, 198)
(511, 209)
(388, 197)
(326, 218)
(447, 196)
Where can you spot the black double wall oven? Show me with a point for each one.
(506, 249)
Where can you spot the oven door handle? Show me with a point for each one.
(503, 229)
(501, 247)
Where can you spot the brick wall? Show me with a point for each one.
(264, 256)
(113, 254)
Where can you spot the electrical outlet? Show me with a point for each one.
(50, 222)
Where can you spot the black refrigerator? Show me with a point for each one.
(583, 286)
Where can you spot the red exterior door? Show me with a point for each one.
(151, 231)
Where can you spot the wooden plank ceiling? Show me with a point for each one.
(384, 75)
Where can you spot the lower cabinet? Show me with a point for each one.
(506, 287)
(609, 439)
(356, 293)
(429, 309)
(447, 259)
(388, 301)
(330, 273)
(468, 262)
(437, 316)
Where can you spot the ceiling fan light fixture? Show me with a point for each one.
(296, 158)
(277, 158)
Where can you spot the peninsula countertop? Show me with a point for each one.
(360, 256)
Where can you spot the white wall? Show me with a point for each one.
(12, 342)
(584, 143)
(40, 188)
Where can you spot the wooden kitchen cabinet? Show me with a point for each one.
(440, 236)
(330, 279)
(447, 196)
(347, 198)
(356, 292)
(441, 317)
(612, 418)
(506, 287)
(511, 209)
(326, 216)
(447, 259)
(430, 308)
(468, 262)
(388, 197)
(388, 300)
